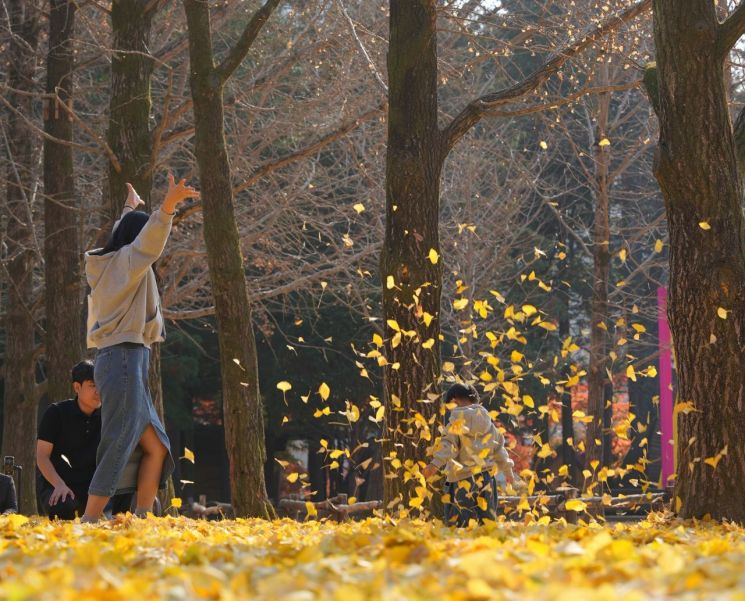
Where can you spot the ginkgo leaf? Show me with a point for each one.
(529, 310)
(188, 454)
(543, 145)
(704, 225)
(324, 391)
(658, 246)
(460, 304)
(433, 256)
(575, 505)
(604, 142)
(722, 313)
(390, 283)
(284, 386)
(359, 207)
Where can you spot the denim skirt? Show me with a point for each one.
(127, 409)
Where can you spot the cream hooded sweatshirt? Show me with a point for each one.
(470, 444)
(124, 305)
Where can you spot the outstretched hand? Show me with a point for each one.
(177, 192)
(133, 199)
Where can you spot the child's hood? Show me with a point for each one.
(475, 418)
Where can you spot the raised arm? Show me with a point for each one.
(150, 242)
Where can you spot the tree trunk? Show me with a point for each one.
(21, 400)
(129, 108)
(63, 284)
(697, 171)
(242, 407)
(411, 281)
(596, 447)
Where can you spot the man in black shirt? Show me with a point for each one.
(69, 434)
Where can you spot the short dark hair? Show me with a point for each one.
(466, 392)
(82, 371)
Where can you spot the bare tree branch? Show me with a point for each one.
(731, 30)
(308, 151)
(480, 107)
(240, 50)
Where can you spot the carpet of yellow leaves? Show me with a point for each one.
(176, 558)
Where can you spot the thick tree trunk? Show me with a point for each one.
(63, 284)
(411, 281)
(599, 391)
(21, 401)
(242, 407)
(697, 170)
(130, 103)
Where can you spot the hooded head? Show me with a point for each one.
(125, 233)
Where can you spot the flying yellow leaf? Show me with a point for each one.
(176, 503)
(658, 246)
(324, 391)
(575, 505)
(359, 207)
(604, 142)
(390, 283)
(722, 313)
(704, 225)
(529, 310)
(188, 454)
(543, 145)
(630, 373)
(460, 304)
(284, 386)
(393, 325)
(429, 343)
(433, 256)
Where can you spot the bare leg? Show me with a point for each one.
(94, 508)
(151, 465)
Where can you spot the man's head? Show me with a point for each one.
(83, 384)
(462, 394)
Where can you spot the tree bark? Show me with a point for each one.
(696, 168)
(63, 284)
(598, 385)
(130, 104)
(21, 401)
(411, 281)
(242, 406)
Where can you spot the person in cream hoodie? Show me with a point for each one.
(471, 452)
(124, 321)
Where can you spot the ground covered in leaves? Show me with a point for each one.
(176, 558)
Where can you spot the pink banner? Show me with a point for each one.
(666, 389)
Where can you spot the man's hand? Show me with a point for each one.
(429, 471)
(177, 193)
(133, 199)
(60, 494)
